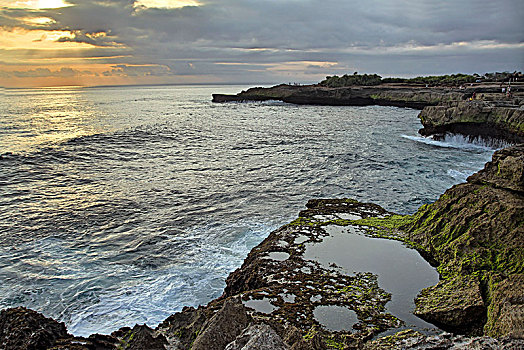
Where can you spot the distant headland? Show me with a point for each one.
(490, 105)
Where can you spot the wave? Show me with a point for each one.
(458, 141)
(98, 142)
(460, 176)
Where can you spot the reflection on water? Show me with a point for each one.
(401, 271)
(335, 318)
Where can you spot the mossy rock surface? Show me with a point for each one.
(472, 232)
(455, 303)
(506, 312)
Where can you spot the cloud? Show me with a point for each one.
(388, 37)
(100, 38)
(46, 73)
(138, 71)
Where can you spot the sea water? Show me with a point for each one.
(122, 205)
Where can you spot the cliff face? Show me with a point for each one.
(475, 232)
(483, 118)
(398, 96)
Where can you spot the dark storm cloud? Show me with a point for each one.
(100, 38)
(397, 37)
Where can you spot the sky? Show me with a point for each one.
(122, 42)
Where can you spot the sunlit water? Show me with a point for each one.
(122, 205)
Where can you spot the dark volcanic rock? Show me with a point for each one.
(142, 337)
(259, 337)
(93, 342)
(182, 328)
(411, 340)
(476, 230)
(21, 328)
(455, 304)
(223, 327)
(476, 118)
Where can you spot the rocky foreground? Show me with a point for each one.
(473, 234)
(478, 110)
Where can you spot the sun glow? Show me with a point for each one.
(40, 21)
(166, 3)
(34, 4)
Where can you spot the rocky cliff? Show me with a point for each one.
(479, 118)
(475, 231)
(400, 96)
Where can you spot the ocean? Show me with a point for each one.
(121, 205)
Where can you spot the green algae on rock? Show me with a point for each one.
(455, 304)
(472, 232)
(476, 118)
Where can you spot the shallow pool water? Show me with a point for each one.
(401, 270)
(335, 318)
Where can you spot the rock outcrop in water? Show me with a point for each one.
(21, 328)
(398, 96)
(491, 113)
(475, 118)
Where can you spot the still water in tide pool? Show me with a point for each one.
(122, 205)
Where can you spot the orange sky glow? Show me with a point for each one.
(124, 42)
(37, 56)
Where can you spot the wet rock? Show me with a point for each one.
(93, 342)
(454, 304)
(478, 118)
(258, 337)
(506, 312)
(223, 327)
(287, 292)
(182, 328)
(142, 337)
(411, 340)
(24, 329)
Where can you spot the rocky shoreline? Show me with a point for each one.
(478, 110)
(473, 235)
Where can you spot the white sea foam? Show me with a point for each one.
(150, 298)
(460, 176)
(475, 144)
